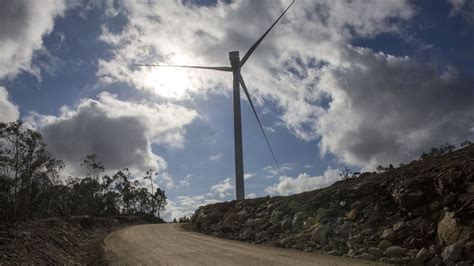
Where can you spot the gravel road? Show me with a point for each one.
(169, 244)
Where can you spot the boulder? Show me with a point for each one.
(275, 217)
(384, 244)
(255, 223)
(246, 234)
(452, 252)
(335, 252)
(367, 256)
(423, 255)
(322, 213)
(320, 234)
(352, 215)
(298, 220)
(375, 252)
(229, 221)
(449, 231)
(388, 234)
(286, 223)
(395, 251)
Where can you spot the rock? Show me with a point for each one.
(423, 255)
(352, 215)
(367, 232)
(384, 244)
(367, 256)
(395, 251)
(229, 221)
(246, 234)
(407, 200)
(242, 215)
(346, 227)
(286, 223)
(388, 234)
(275, 217)
(449, 231)
(452, 252)
(322, 213)
(320, 234)
(376, 252)
(434, 249)
(255, 222)
(335, 253)
(399, 226)
(301, 237)
(298, 220)
(435, 261)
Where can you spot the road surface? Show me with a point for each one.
(169, 244)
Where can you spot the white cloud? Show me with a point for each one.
(274, 170)
(359, 103)
(186, 205)
(303, 182)
(248, 176)
(24, 23)
(223, 189)
(186, 181)
(8, 110)
(120, 133)
(215, 157)
(251, 196)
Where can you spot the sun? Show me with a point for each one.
(167, 81)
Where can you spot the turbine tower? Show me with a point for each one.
(235, 65)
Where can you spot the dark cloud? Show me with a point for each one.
(120, 133)
(389, 109)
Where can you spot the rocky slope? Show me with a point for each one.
(421, 213)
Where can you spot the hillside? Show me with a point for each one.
(422, 212)
(73, 240)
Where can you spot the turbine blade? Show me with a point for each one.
(254, 46)
(242, 82)
(226, 69)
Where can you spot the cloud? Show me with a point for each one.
(291, 68)
(273, 170)
(223, 189)
(387, 109)
(464, 8)
(303, 182)
(186, 181)
(8, 110)
(186, 205)
(120, 133)
(251, 196)
(178, 33)
(24, 23)
(215, 157)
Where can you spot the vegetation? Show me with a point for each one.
(31, 185)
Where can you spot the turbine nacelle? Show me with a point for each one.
(234, 58)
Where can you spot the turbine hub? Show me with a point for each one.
(234, 58)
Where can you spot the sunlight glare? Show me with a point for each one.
(167, 81)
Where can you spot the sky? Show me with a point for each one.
(336, 84)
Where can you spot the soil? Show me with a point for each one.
(60, 240)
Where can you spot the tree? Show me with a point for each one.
(25, 167)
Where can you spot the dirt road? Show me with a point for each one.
(168, 244)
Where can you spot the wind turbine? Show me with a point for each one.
(235, 65)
